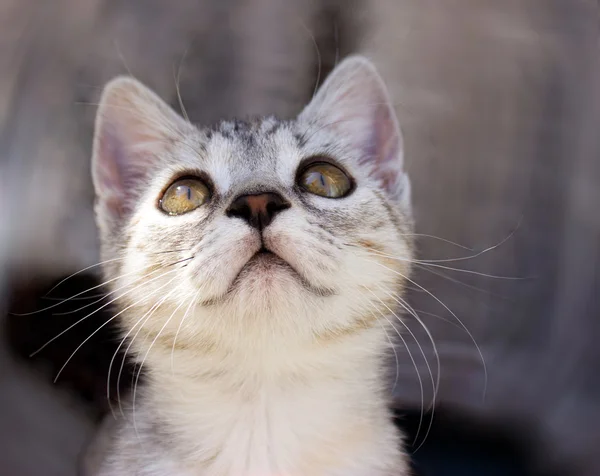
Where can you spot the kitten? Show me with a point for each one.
(255, 265)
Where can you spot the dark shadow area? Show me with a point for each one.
(458, 445)
(66, 329)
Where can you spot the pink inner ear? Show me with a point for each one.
(119, 171)
(382, 148)
(388, 132)
(114, 207)
(108, 164)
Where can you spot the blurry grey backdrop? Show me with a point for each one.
(499, 105)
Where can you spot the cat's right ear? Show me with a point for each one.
(353, 103)
(134, 129)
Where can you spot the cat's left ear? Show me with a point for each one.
(354, 104)
(134, 130)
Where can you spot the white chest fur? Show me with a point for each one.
(325, 416)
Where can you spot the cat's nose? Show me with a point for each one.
(257, 210)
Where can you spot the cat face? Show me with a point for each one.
(265, 227)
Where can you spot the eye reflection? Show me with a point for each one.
(183, 196)
(325, 180)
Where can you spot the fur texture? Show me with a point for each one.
(255, 367)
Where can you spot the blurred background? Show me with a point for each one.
(499, 102)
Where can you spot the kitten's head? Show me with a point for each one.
(259, 228)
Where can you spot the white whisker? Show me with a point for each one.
(442, 318)
(94, 333)
(436, 385)
(413, 361)
(476, 255)
(453, 315)
(145, 120)
(114, 291)
(409, 355)
(177, 82)
(336, 37)
(62, 299)
(318, 52)
(397, 377)
(408, 308)
(145, 319)
(125, 355)
(424, 235)
(75, 296)
(432, 264)
(82, 271)
(137, 378)
(99, 309)
(122, 58)
(47, 308)
(462, 283)
(468, 271)
(193, 300)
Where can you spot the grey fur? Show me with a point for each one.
(316, 296)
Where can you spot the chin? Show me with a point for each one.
(266, 281)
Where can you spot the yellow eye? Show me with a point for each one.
(184, 196)
(325, 180)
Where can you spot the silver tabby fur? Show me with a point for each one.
(255, 368)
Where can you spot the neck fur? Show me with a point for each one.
(241, 412)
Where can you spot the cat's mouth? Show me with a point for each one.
(267, 264)
(265, 253)
(265, 256)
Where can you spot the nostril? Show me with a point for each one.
(239, 210)
(257, 210)
(277, 206)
